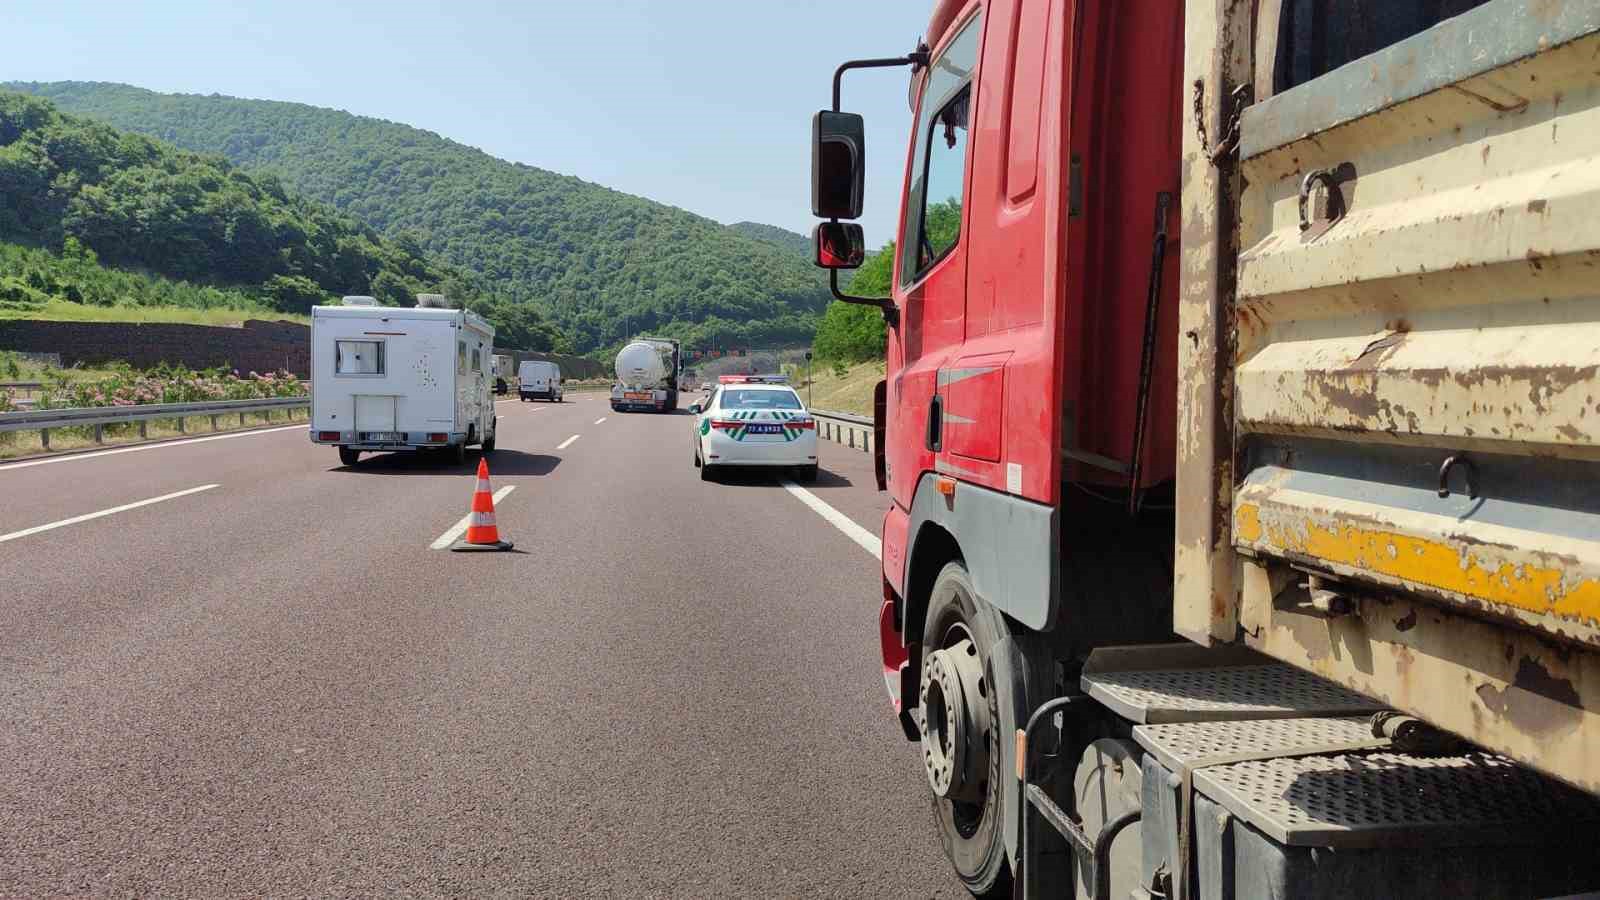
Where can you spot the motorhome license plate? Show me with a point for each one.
(636, 395)
(386, 436)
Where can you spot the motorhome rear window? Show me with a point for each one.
(359, 358)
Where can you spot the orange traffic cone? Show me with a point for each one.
(481, 531)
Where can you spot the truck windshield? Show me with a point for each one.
(947, 76)
(733, 398)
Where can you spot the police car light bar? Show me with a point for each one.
(753, 379)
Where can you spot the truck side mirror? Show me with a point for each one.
(838, 245)
(838, 164)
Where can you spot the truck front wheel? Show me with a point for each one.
(960, 703)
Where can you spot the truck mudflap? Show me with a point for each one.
(1407, 417)
(899, 677)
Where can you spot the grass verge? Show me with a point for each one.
(58, 310)
(847, 392)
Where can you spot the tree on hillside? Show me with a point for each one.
(295, 294)
(853, 332)
(518, 326)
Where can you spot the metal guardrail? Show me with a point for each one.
(42, 420)
(844, 428)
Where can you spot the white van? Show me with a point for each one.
(391, 378)
(539, 379)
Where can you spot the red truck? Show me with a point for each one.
(1240, 433)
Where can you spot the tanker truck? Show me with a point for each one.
(647, 376)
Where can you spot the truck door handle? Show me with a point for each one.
(935, 437)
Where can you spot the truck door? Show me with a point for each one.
(1417, 386)
(931, 269)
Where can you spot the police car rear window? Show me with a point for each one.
(742, 398)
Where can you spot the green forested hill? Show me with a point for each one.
(772, 234)
(92, 215)
(140, 204)
(600, 262)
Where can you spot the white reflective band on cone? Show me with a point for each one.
(479, 518)
(483, 486)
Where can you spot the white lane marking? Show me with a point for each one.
(456, 530)
(568, 442)
(839, 520)
(306, 427)
(104, 512)
(599, 420)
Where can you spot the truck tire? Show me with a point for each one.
(348, 456)
(972, 831)
(488, 445)
(457, 453)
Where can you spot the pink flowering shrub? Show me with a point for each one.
(128, 387)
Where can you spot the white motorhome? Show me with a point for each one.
(392, 378)
(539, 379)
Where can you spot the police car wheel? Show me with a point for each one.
(705, 473)
(807, 474)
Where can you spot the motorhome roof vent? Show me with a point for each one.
(432, 301)
(359, 301)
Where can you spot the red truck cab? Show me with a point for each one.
(1029, 396)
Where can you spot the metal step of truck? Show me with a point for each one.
(1258, 779)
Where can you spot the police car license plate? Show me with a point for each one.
(386, 436)
(637, 395)
(765, 429)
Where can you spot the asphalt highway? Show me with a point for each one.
(233, 667)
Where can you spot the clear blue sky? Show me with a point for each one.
(705, 105)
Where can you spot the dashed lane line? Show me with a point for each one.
(568, 442)
(459, 528)
(599, 420)
(103, 513)
(839, 520)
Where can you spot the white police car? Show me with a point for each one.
(754, 420)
